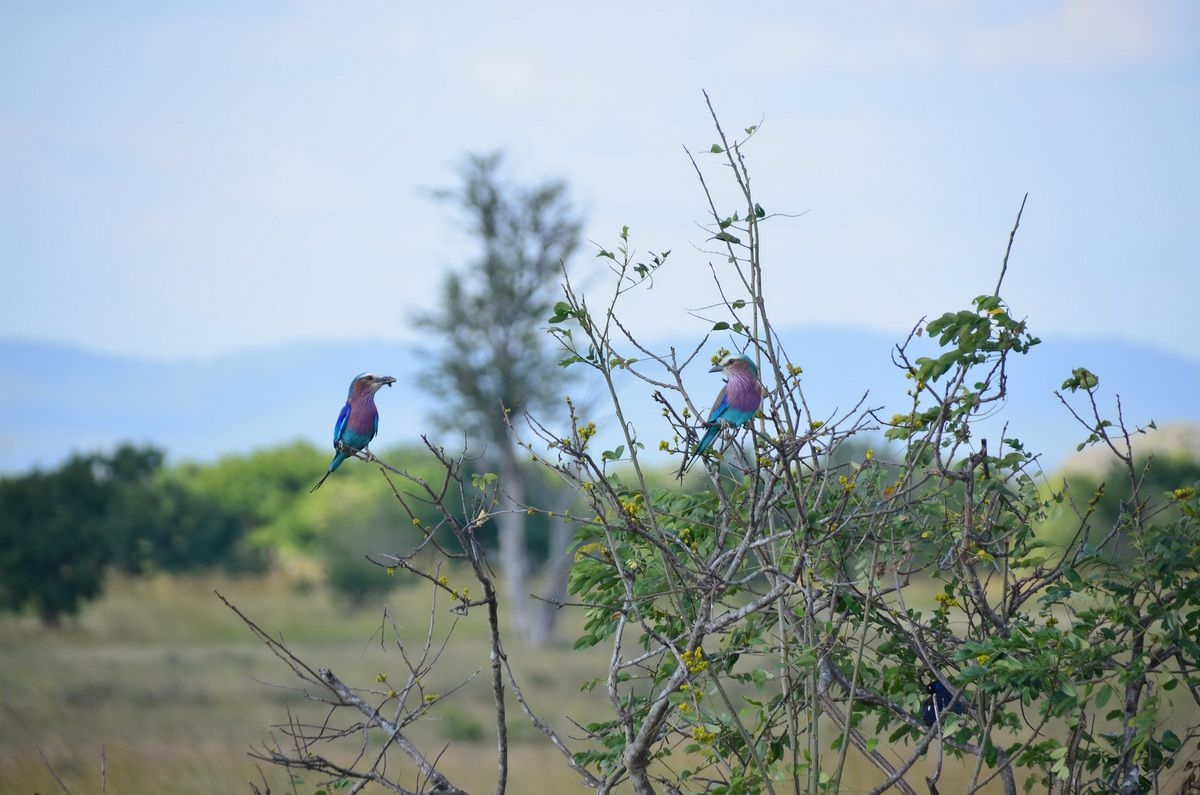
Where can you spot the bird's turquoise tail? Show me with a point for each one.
(706, 441)
(708, 438)
(338, 458)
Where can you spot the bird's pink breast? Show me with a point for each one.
(743, 391)
(362, 414)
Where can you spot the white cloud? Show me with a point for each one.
(504, 76)
(1078, 33)
(819, 49)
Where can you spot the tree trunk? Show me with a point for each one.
(510, 525)
(554, 587)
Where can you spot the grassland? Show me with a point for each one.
(176, 691)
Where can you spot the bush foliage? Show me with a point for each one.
(770, 625)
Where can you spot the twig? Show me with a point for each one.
(53, 772)
(1011, 237)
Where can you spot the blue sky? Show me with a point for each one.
(185, 180)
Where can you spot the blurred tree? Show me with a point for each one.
(348, 571)
(259, 487)
(494, 361)
(162, 524)
(1113, 504)
(53, 551)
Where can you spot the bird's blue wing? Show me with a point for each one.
(723, 412)
(939, 703)
(340, 426)
(713, 425)
(720, 406)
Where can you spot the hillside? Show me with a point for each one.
(57, 399)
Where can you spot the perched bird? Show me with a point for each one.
(736, 403)
(939, 702)
(738, 400)
(359, 421)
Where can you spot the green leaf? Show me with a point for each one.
(1067, 688)
(986, 303)
(1081, 378)
(562, 311)
(716, 149)
(613, 455)
(483, 480)
(726, 237)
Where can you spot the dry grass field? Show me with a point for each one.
(174, 688)
(176, 691)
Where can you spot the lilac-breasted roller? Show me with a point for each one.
(738, 400)
(358, 422)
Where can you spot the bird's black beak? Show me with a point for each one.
(716, 368)
(386, 380)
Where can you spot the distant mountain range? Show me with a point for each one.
(57, 399)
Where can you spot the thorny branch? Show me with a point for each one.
(769, 610)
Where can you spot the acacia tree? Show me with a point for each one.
(775, 623)
(45, 514)
(494, 359)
